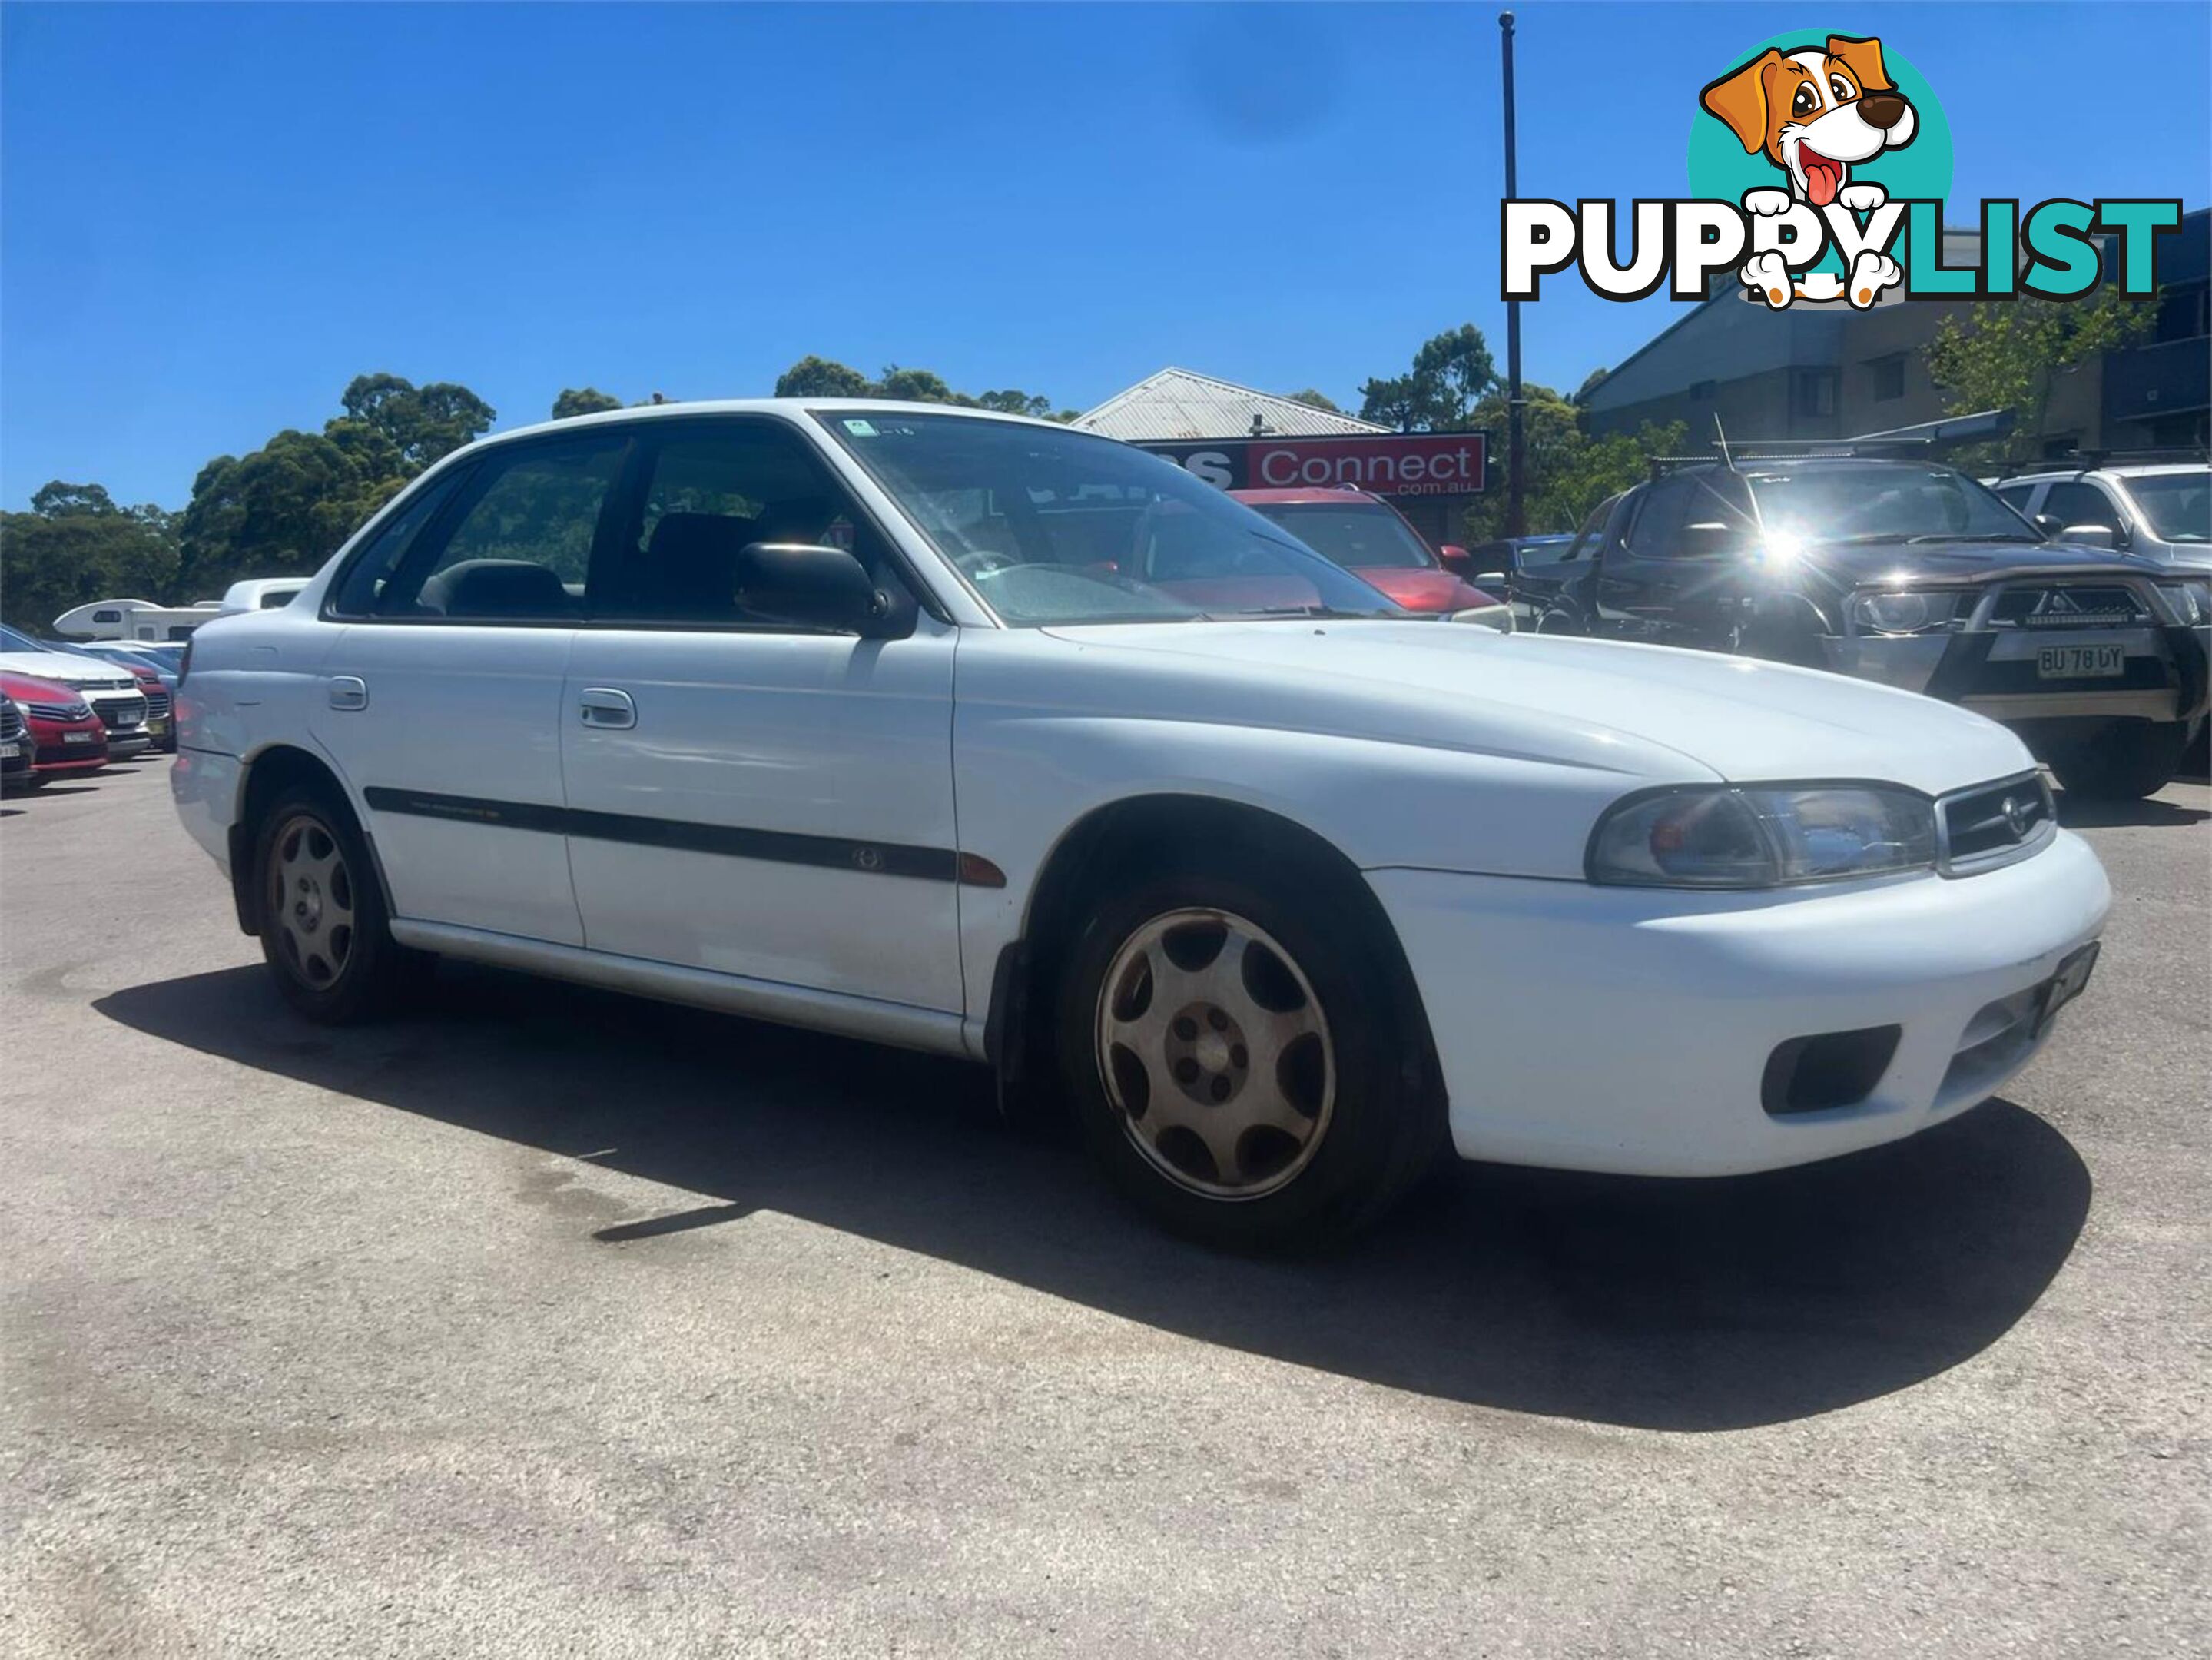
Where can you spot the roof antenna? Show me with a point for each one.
(1727, 461)
(1758, 513)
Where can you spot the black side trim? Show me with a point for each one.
(734, 841)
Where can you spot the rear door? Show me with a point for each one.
(746, 795)
(442, 701)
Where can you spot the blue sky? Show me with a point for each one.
(211, 218)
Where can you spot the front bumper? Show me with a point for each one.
(1629, 1030)
(1993, 673)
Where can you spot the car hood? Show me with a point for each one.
(1649, 711)
(1913, 564)
(67, 670)
(1422, 588)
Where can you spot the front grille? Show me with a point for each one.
(60, 711)
(2069, 605)
(52, 754)
(157, 705)
(1993, 824)
(116, 712)
(11, 722)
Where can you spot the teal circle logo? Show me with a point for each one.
(1723, 169)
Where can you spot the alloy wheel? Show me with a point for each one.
(1216, 1054)
(311, 899)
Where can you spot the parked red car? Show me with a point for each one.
(66, 736)
(1370, 539)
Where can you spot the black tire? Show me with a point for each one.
(2123, 762)
(332, 978)
(1383, 1125)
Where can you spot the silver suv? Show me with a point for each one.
(2160, 510)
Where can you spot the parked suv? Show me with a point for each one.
(985, 737)
(2161, 511)
(1909, 574)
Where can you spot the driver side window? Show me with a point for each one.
(708, 493)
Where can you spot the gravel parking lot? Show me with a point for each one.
(545, 1322)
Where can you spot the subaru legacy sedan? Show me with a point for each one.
(855, 716)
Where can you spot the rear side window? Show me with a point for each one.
(363, 583)
(2016, 496)
(515, 546)
(2081, 504)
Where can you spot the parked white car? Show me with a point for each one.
(2160, 510)
(111, 689)
(853, 716)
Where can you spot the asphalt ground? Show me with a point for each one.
(543, 1322)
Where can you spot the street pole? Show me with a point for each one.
(1516, 519)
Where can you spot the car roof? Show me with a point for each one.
(2125, 469)
(783, 406)
(1309, 495)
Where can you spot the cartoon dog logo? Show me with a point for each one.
(1813, 114)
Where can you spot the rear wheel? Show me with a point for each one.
(324, 930)
(1239, 1064)
(2122, 761)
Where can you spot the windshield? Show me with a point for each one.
(1059, 527)
(16, 639)
(2179, 505)
(1358, 535)
(1882, 501)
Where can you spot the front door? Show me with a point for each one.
(442, 701)
(746, 795)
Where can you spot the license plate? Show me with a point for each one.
(2068, 983)
(10, 749)
(2079, 662)
(158, 726)
(76, 737)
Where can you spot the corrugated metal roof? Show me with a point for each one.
(1177, 404)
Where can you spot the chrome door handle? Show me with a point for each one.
(349, 691)
(604, 706)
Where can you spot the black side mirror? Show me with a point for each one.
(813, 586)
(2049, 523)
(1712, 540)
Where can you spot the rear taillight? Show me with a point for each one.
(184, 663)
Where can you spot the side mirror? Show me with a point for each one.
(2091, 536)
(1493, 581)
(2049, 523)
(1455, 558)
(805, 583)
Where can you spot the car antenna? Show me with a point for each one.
(1720, 433)
(1757, 514)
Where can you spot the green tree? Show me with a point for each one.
(76, 546)
(1568, 472)
(1319, 401)
(423, 423)
(1396, 403)
(1451, 374)
(1010, 402)
(583, 400)
(916, 387)
(2008, 355)
(1591, 382)
(818, 377)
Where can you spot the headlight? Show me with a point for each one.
(1901, 613)
(1714, 836)
(2187, 603)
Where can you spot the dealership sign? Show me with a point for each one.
(1387, 463)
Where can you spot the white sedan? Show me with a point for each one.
(985, 737)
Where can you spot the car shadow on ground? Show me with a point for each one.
(2087, 812)
(1680, 1305)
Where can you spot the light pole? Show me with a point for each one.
(1517, 521)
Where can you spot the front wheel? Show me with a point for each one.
(323, 932)
(2123, 762)
(1239, 1063)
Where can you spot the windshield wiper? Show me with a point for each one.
(1977, 536)
(1323, 611)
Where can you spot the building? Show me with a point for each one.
(1827, 371)
(1234, 436)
